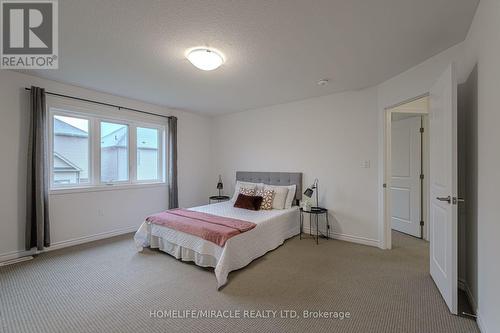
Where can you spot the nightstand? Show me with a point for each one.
(218, 198)
(315, 212)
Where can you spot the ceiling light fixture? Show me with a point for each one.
(205, 59)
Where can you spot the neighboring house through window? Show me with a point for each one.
(114, 152)
(88, 150)
(71, 150)
(147, 153)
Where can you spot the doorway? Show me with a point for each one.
(409, 163)
(443, 199)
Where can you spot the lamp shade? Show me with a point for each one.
(311, 189)
(220, 185)
(309, 192)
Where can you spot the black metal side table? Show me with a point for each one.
(315, 212)
(218, 198)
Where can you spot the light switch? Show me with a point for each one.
(365, 164)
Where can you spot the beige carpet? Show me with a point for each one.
(106, 286)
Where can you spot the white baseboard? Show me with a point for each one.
(91, 238)
(67, 243)
(480, 324)
(10, 256)
(16, 260)
(348, 238)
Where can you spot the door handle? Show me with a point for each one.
(447, 199)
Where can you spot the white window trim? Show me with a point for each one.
(95, 114)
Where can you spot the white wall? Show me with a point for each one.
(327, 137)
(483, 46)
(88, 215)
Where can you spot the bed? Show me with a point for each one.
(272, 228)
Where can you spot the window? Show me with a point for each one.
(147, 153)
(70, 153)
(114, 152)
(91, 147)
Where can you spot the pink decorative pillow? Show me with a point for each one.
(267, 198)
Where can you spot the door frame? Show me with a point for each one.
(386, 242)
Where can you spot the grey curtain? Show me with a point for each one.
(173, 199)
(37, 214)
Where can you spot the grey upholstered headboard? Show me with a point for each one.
(273, 178)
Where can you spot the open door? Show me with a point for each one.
(443, 186)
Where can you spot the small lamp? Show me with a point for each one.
(220, 186)
(310, 190)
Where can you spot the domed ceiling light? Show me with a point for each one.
(205, 59)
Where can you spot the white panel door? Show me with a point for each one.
(405, 180)
(443, 186)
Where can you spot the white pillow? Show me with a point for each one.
(239, 184)
(280, 193)
(260, 186)
(290, 196)
(257, 186)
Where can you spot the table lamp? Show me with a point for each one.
(310, 190)
(220, 186)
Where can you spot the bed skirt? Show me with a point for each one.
(183, 253)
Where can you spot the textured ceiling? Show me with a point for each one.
(276, 50)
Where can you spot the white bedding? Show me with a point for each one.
(272, 229)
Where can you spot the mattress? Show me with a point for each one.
(272, 228)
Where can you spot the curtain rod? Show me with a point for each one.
(102, 103)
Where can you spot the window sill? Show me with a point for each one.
(117, 187)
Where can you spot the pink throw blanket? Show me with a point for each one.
(216, 229)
